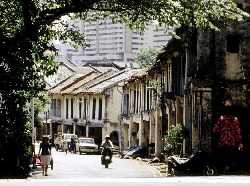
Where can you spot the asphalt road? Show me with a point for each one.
(89, 166)
(79, 170)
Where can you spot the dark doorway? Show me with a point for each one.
(114, 137)
(96, 133)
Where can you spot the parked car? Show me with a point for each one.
(86, 145)
(61, 140)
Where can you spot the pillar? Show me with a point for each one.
(141, 133)
(158, 133)
(126, 139)
(130, 130)
(62, 128)
(151, 129)
(87, 131)
(74, 128)
(50, 130)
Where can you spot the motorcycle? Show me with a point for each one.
(106, 156)
(207, 164)
(199, 163)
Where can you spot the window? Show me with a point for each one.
(126, 104)
(100, 109)
(58, 108)
(85, 108)
(147, 97)
(80, 107)
(67, 108)
(72, 107)
(233, 43)
(93, 110)
(134, 101)
(53, 107)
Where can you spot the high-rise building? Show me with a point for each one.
(111, 42)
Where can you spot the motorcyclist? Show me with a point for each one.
(107, 144)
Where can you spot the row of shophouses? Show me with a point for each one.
(186, 85)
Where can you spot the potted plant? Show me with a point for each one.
(172, 142)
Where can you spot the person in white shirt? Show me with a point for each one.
(107, 143)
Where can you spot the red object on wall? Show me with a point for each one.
(227, 127)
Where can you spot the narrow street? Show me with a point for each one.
(77, 170)
(89, 166)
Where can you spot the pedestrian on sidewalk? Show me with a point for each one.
(45, 153)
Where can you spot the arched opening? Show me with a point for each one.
(114, 137)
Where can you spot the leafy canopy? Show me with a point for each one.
(146, 57)
(27, 28)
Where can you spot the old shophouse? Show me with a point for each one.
(214, 65)
(89, 104)
(186, 85)
(153, 99)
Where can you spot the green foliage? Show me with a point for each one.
(173, 141)
(146, 57)
(27, 29)
(39, 106)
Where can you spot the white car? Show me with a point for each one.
(87, 145)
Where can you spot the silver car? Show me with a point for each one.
(87, 145)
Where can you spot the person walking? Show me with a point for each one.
(45, 153)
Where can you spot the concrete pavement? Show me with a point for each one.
(89, 166)
(79, 170)
(168, 181)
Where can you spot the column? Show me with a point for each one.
(136, 99)
(151, 128)
(96, 107)
(130, 102)
(130, 130)
(104, 115)
(126, 136)
(50, 130)
(87, 131)
(74, 128)
(141, 132)
(62, 128)
(140, 96)
(158, 129)
(179, 113)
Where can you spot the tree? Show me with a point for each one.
(146, 57)
(27, 28)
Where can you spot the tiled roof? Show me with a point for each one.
(79, 82)
(96, 80)
(108, 82)
(71, 79)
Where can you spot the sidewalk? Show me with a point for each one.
(160, 167)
